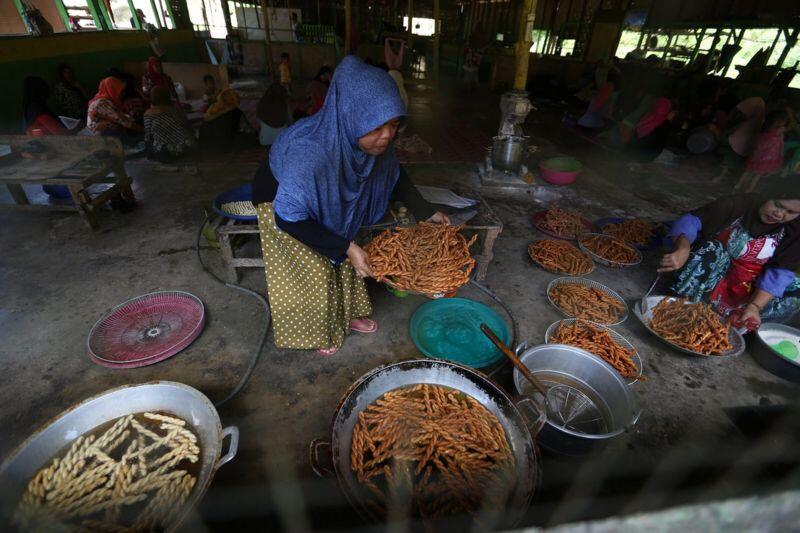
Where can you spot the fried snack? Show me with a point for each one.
(611, 249)
(426, 258)
(562, 222)
(589, 337)
(560, 256)
(242, 208)
(636, 231)
(588, 303)
(694, 326)
(434, 449)
(130, 476)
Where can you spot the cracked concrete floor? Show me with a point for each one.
(57, 278)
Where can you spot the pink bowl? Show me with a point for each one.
(560, 170)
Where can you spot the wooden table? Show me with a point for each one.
(485, 222)
(75, 162)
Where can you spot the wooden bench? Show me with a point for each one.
(73, 162)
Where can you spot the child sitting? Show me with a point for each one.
(285, 71)
(211, 92)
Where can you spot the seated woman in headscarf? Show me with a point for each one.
(36, 116)
(741, 253)
(318, 88)
(272, 113)
(600, 107)
(106, 116)
(652, 131)
(168, 136)
(70, 97)
(328, 176)
(221, 122)
(155, 77)
(133, 101)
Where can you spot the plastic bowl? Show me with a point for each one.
(560, 170)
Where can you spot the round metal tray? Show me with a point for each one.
(560, 271)
(588, 283)
(539, 216)
(551, 330)
(652, 245)
(606, 262)
(735, 337)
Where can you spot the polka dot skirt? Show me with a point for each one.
(312, 300)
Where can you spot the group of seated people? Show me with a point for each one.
(149, 111)
(748, 134)
(146, 111)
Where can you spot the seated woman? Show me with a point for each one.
(652, 132)
(318, 88)
(155, 77)
(134, 103)
(36, 117)
(106, 116)
(221, 122)
(741, 253)
(600, 107)
(168, 136)
(70, 97)
(327, 176)
(272, 113)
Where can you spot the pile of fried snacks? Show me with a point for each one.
(589, 303)
(438, 447)
(636, 231)
(427, 258)
(611, 249)
(563, 223)
(132, 475)
(561, 257)
(694, 326)
(585, 335)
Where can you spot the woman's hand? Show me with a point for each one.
(439, 218)
(750, 317)
(359, 259)
(677, 258)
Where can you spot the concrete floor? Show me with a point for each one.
(57, 278)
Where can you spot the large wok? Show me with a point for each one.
(520, 429)
(165, 396)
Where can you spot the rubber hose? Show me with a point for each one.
(263, 301)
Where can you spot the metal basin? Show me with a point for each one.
(165, 396)
(383, 379)
(509, 151)
(765, 355)
(603, 407)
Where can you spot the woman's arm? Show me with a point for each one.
(316, 236)
(409, 195)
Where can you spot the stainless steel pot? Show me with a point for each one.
(519, 428)
(509, 151)
(165, 396)
(769, 334)
(572, 427)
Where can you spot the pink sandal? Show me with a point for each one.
(327, 352)
(363, 325)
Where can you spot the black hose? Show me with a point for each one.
(263, 301)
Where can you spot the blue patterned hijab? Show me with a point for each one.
(321, 172)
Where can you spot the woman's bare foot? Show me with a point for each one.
(328, 351)
(363, 325)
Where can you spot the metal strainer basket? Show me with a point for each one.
(588, 283)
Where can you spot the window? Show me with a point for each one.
(754, 41)
(80, 15)
(424, 27)
(120, 13)
(207, 17)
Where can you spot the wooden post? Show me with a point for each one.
(523, 45)
(226, 14)
(265, 16)
(410, 15)
(437, 32)
(348, 11)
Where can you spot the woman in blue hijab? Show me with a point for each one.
(328, 176)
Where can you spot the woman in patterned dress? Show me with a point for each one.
(168, 136)
(741, 253)
(326, 177)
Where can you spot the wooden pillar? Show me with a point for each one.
(267, 40)
(523, 46)
(410, 15)
(226, 14)
(348, 12)
(437, 32)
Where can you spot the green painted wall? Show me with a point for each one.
(89, 54)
